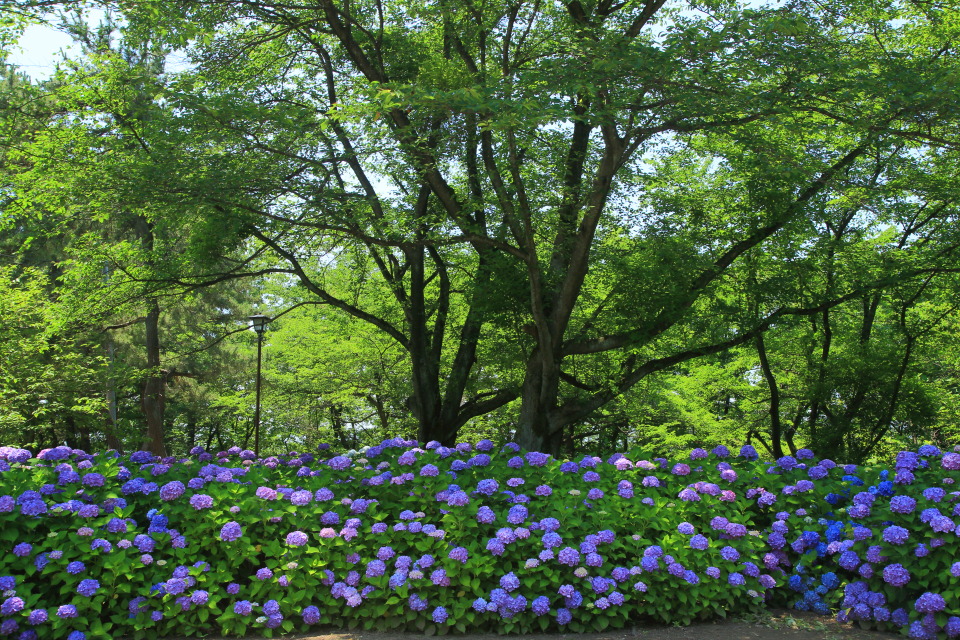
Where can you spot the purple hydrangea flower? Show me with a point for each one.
(817, 472)
(266, 493)
(171, 490)
(510, 582)
(787, 462)
(376, 568)
(296, 538)
(495, 547)
(271, 607)
(486, 515)
(895, 534)
(37, 616)
(849, 560)
(699, 542)
(902, 504)
(569, 556)
(896, 575)
(201, 501)
(311, 615)
(301, 498)
(339, 463)
(11, 606)
(517, 514)
(730, 554)
(952, 628)
(231, 531)
(66, 611)
(951, 461)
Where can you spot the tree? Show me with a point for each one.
(491, 138)
(102, 248)
(50, 376)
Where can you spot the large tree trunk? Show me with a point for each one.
(439, 399)
(538, 429)
(152, 399)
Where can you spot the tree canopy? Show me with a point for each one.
(522, 211)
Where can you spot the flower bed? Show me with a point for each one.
(445, 539)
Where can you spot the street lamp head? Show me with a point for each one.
(259, 323)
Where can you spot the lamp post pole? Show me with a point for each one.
(259, 325)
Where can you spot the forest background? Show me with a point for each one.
(582, 225)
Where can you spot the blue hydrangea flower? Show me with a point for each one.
(730, 554)
(930, 603)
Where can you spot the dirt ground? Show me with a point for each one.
(776, 625)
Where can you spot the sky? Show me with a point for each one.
(41, 47)
(38, 51)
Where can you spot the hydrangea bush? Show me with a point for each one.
(444, 539)
(878, 545)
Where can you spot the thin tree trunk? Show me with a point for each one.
(776, 428)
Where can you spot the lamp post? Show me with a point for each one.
(259, 325)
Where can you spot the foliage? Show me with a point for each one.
(50, 373)
(383, 539)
